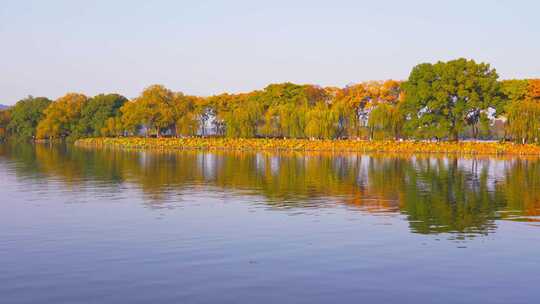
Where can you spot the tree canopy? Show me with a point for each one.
(61, 116)
(96, 113)
(442, 98)
(523, 110)
(444, 101)
(26, 115)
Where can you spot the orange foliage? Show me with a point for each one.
(534, 89)
(190, 143)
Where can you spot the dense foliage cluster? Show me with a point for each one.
(442, 101)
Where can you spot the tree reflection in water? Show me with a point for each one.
(435, 193)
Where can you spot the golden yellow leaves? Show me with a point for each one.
(262, 144)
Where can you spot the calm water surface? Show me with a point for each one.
(84, 226)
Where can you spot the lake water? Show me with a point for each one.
(86, 226)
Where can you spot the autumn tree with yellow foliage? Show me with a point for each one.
(61, 117)
(523, 112)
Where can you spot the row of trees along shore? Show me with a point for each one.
(443, 101)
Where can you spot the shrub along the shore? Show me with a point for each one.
(305, 145)
(450, 100)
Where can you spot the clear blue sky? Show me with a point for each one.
(202, 47)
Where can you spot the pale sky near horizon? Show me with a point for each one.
(208, 47)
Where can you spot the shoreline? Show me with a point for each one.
(306, 145)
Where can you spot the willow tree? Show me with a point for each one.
(353, 104)
(387, 119)
(271, 126)
(350, 104)
(244, 117)
(523, 112)
(321, 122)
(292, 120)
(187, 112)
(284, 106)
(524, 121)
(442, 98)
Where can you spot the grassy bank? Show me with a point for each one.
(492, 148)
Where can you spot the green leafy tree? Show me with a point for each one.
(514, 89)
(284, 108)
(387, 119)
(155, 109)
(244, 118)
(5, 118)
(442, 98)
(97, 111)
(321, 122)
(25, 116)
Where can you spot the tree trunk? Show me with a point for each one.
(454, 135)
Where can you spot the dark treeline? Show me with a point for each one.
(443, 101)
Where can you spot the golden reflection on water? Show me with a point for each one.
(435, 193)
